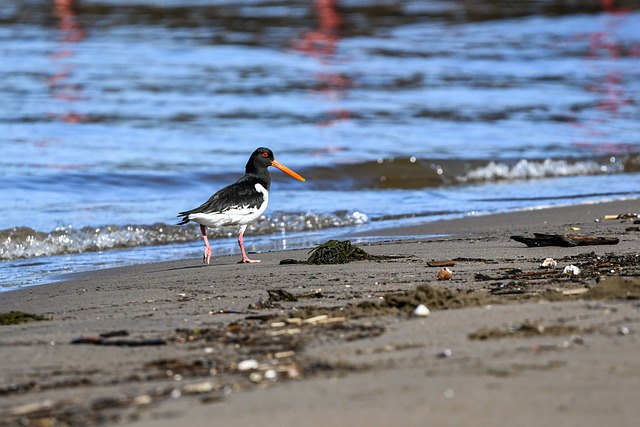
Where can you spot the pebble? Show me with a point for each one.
(447, 352)
(247, 365)
(623, 330)
(445, 274)
(421, 311)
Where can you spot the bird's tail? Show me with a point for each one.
(184, 219)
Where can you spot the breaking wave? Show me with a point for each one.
(25, 242)
(413, 173)
(525, 169)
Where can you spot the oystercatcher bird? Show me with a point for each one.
(240, 203)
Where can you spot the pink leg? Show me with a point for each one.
(245, 258)
(207, 249)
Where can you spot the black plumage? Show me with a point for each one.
(240, 203)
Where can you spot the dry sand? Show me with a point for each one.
(502, 345)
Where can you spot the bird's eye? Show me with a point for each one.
(265, 154)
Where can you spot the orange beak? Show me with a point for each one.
(283, 168)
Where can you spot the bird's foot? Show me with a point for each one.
(207, 255)
(246, 260)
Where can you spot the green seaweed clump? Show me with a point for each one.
(16, 317)
(337, 252)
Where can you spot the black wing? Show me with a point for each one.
(242, 193)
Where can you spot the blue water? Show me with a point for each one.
(116, 116)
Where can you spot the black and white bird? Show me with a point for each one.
(240, 203)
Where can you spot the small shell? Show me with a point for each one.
(270, 374)
(421, 311)
(571, 270)
(445, 274)
(247, 365)
(549, 263)
(447, 352)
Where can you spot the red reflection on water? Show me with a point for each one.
(610, 91)
(322, 44)
(323, 41)
(59, 85)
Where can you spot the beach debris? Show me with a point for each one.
(229, 311)
(628, 215)
(255, 377)
(421, 311)
(577, 291)
(248, 365)
(281, 295)
(511, 288)
(336, 252)
(32, 407)
(17, 317)
(571, 270)
(443, 263)
(623, 330)
(106, 339)
(197, 388)
(117, 333)
(572, 228)
(447, 352)
(549, 263)
(445, 274)
(566, 240)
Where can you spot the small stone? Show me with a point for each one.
(623, 330)
(447, 352)
(421, 311)
(247, 365)
(445, 274)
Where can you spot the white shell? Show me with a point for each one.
(421, 311)
(447, 352)
(247, 365)
(549, 263)
(571, 270)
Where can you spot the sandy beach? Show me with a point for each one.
(505, 343)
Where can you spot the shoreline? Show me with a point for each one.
(374, 367)
(371, 232)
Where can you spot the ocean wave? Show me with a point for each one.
(414, 173)
(548, 168)
(25, 242)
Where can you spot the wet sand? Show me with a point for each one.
(506, 342)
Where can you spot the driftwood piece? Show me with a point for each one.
(566, 240)
(443, 263)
